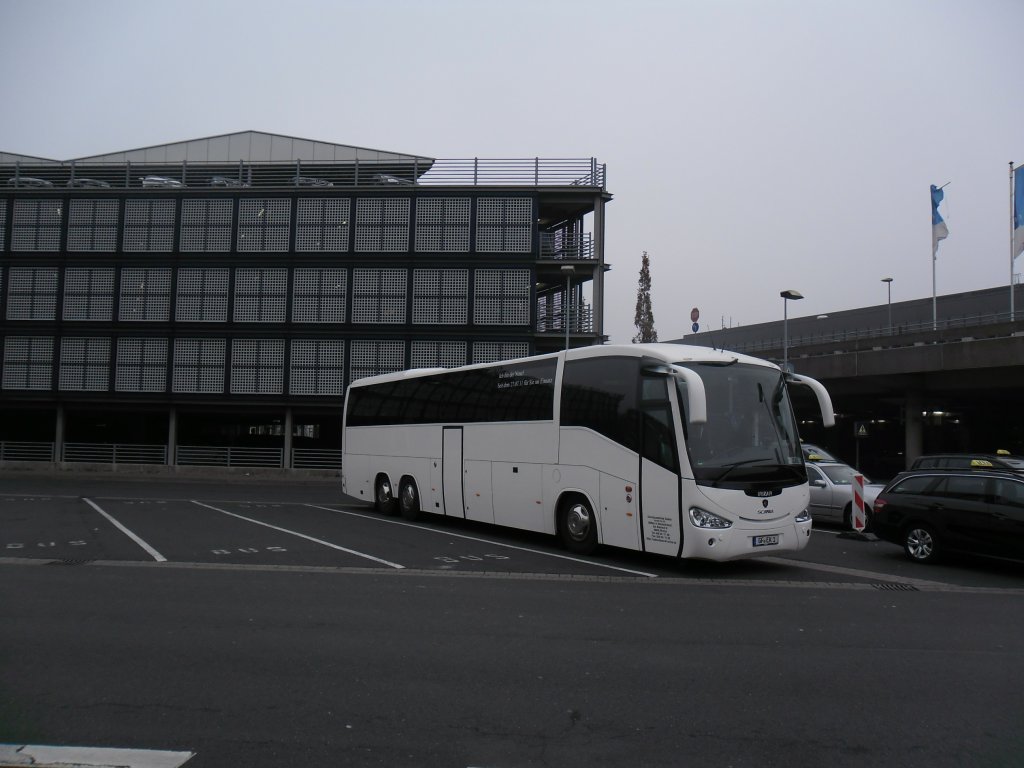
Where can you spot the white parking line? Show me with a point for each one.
(379, 519)
(301, 536)
(152, 552)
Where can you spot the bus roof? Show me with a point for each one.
(663, 351)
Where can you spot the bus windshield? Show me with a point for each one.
(750, 437)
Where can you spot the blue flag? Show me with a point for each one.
(1018, 211)
(939, 229)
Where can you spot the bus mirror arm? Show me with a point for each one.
(828, 417)
(696, 397)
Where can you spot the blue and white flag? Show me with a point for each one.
(1018, 211)
(939, 229)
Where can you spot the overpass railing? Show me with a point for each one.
(879, 333)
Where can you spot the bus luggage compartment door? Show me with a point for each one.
(451, 472)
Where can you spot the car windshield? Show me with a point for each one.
(750, 436)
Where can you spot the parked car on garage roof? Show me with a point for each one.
(387, 178)
(309, 181)
(89, 183)
(28, 181)
(161, 181)
(831, 487)
(932, 511)
(226, 181)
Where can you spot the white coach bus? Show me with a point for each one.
(678, 450)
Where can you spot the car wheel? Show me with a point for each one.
(920, 544)
(577, 527)
(384, 496)
(409, 499)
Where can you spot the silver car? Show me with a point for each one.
(28, 181)
(161, 181)
(89, 183)
(226, 181)
(832, 492)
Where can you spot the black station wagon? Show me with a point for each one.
(928, 512)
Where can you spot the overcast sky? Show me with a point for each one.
(751, 145)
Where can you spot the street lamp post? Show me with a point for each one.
(787, 296)
(888, 286)
(567, 270)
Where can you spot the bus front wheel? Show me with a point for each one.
(409, 499)
(577, 527)
(384, 496)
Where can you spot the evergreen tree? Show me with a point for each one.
(644, 317)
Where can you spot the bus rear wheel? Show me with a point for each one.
(384, 496)
(409, 499)
(577, 527)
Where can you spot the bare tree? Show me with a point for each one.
(644, 317)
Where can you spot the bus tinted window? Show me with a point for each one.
(601, 394)
(508, 392)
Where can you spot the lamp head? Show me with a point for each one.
(791, 295)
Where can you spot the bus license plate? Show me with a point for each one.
(766, 541)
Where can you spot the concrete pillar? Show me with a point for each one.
(287, 459)
(913, 445)
(58, 435)
(172, 437)
(598, 287)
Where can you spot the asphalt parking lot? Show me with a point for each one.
(240, 522)
(247, 622)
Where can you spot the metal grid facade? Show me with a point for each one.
(265, 295)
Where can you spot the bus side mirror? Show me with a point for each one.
(828, 416)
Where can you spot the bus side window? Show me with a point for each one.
(601, 394)
(659, 437)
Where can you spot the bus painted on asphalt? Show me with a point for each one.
(665, 448)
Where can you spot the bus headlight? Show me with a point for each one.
(704, 519)
(803, 517)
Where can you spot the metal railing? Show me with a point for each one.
(559, 245)
(114, 453)
(13, 450)
(530, 171)
(315, 458)
(397, 173)
(872, 333)
(581, 319)
(228, 456)
(186, 455)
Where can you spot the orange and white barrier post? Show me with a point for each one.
(858, 518)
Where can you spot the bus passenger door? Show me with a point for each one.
(451, 472)
(659, 473)
(659, 509)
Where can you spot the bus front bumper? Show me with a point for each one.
(739, 541)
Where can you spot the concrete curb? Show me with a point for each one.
(42, 756)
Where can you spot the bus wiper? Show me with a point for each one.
(730, 467)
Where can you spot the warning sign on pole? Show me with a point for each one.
(857, 518)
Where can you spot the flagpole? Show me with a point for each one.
(935, 253)
(935, 246)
